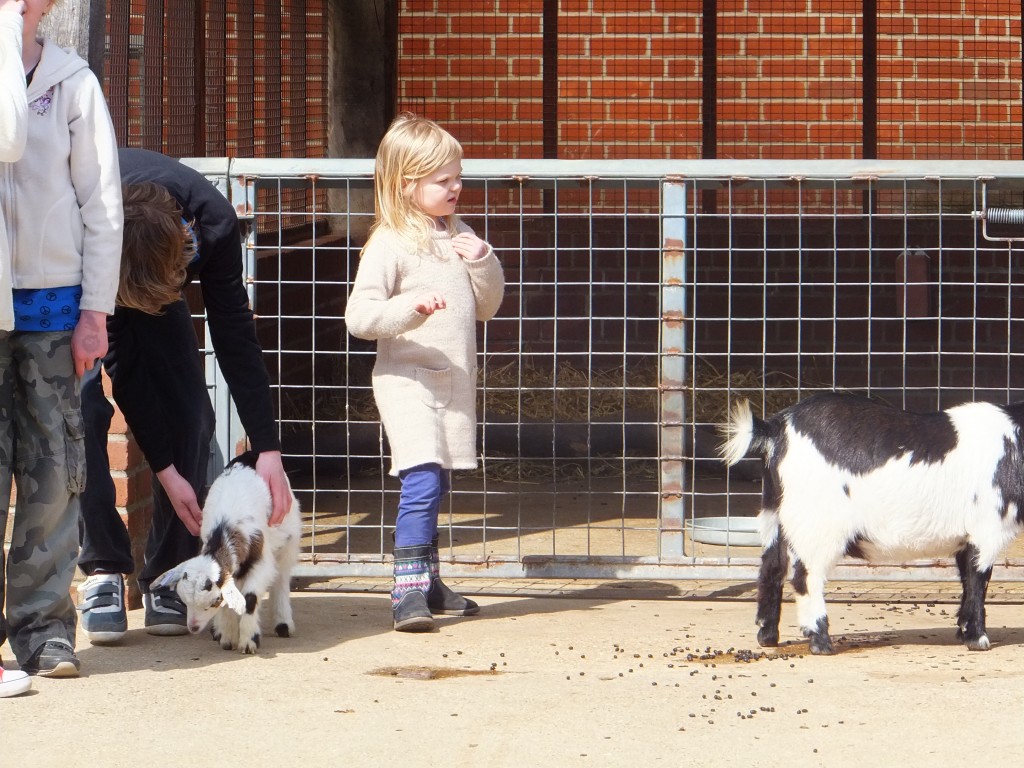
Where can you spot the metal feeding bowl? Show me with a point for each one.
(726, 531)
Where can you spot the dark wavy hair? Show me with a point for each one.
(156, 251)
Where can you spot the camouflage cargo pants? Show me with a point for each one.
(42, 447)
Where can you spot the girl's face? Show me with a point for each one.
(438, 193)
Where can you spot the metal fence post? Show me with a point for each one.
(672, 370)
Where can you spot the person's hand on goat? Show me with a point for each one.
(270, 468)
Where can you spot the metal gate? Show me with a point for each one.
(642, 298)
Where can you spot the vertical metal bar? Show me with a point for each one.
(549, 75)
(869, 84)
(672, 369)
(709, 94)
(199, 57)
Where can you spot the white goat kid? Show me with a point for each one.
(241, 558)
(844, 475)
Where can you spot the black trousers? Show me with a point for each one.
(167, 346)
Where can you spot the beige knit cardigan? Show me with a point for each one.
(424, 378)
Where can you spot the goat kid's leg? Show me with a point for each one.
(774, 565)
(249, 625)
(971, 617)
(280, 591)
(225, 628)
(809, 586)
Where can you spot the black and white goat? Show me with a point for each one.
(242, 557)
(845, 475)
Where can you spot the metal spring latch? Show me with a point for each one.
(997, 216)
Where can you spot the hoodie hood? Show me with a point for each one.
(56, 64)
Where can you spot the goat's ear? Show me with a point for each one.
(168, 579)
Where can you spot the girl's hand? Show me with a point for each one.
(429, 303)
(13, 6)
(89, 340)
(469, 246)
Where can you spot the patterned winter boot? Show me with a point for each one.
(441, 599)
(409, 595)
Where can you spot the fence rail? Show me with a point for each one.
(642, 298)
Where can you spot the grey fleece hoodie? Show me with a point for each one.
(62, 199)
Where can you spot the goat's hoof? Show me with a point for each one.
(284, 630)
(768, 638)
(821, 646)
(980, 644)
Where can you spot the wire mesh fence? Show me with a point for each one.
(642, 299)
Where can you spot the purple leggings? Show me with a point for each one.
(423, 487)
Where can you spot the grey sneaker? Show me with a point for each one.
(165, 613)
(54, 658)
(101, 603)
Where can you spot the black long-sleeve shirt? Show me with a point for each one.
(232, 330)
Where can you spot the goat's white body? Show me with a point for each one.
(908, 511)
(905, 507)
(235, 517)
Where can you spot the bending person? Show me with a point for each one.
(177, 227)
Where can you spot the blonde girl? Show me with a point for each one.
(424, 280)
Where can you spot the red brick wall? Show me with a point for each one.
(628, 86)
(949, 79)
(788, 79)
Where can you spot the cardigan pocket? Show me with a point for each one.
(436, 386)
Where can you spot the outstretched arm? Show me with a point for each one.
(182, 498)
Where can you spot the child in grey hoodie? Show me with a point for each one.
(62, 205)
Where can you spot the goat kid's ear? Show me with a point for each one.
(168, 579)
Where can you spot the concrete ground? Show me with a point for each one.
(566, 673)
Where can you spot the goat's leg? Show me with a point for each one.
(225, 628)
(280, 590)
(971, 618)
(809, 585)
(774, 566)
(963, 565)
(249, 625)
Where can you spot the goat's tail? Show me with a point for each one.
(744, 434)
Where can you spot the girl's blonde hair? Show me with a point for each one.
(412, 149)
(157, 249)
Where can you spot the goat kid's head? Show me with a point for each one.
(195, 581)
